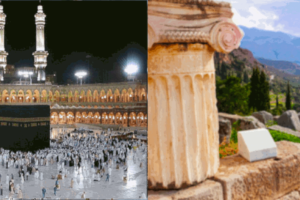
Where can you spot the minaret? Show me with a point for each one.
(40, 56)
(3, 53)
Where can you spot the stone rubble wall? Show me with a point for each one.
(237, 179)
(245, 123)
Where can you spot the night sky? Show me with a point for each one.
(112, 33)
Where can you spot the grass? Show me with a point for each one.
(279, 136)
(271, 123)
(281, 100)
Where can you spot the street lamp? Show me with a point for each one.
(131, 69)
(80, 75)
(25, 74)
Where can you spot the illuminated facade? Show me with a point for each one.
(123, 104)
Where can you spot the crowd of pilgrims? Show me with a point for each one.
(75, 151)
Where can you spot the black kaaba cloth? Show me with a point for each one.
(25, 128)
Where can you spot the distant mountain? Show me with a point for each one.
(271, 45)
(241, 60)
(289, 67)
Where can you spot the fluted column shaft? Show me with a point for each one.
(183, 123)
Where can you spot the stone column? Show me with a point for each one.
(183, 117)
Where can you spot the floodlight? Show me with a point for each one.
(131, 69)
(25, 74)
(80, 75)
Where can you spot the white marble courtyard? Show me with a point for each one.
(116, 188)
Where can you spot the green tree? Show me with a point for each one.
(288, 97)
(246, 78)
(264, 92)
(223, 71)
(254, 99)
(239, 75)
(277, 101)
(232, 96)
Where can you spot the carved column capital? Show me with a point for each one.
(225, 37)
(191, 21)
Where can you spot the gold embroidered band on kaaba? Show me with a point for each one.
(33, 119)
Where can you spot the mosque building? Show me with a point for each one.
(122, 104)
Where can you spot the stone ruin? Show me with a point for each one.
(183, 156)
(183, 128)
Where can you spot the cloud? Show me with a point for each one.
(255, 18)
(272, 15)
(246, 3)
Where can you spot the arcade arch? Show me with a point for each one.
(20, 96)
(70, 118)
(44, 96)
(110, 96)
(132, 119)
(82, 96)
(102, 96)
(36, 96)
(130, 95)
(13, 96)
(104, 118)
(28, 96)
(95, 96)
(117, 95)
(78, 117)
(56, 96)
(62, 118)
(54, 118)
(118, 118)
(89, 96)
(5, 96)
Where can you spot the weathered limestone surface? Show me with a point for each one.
(238, 179)
(183, 124)
(208, 190)
(267, 179)
(251, 122)
(289, 119)
(275, 118)
(232, 118)
(263, 116)
(285, 130)
(291, 196)
(224, 130)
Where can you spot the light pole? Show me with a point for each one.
(89, 70)
(131, 69)
(80, 75)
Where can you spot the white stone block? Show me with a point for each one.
(256, 144)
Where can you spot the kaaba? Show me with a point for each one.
(25, 128)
